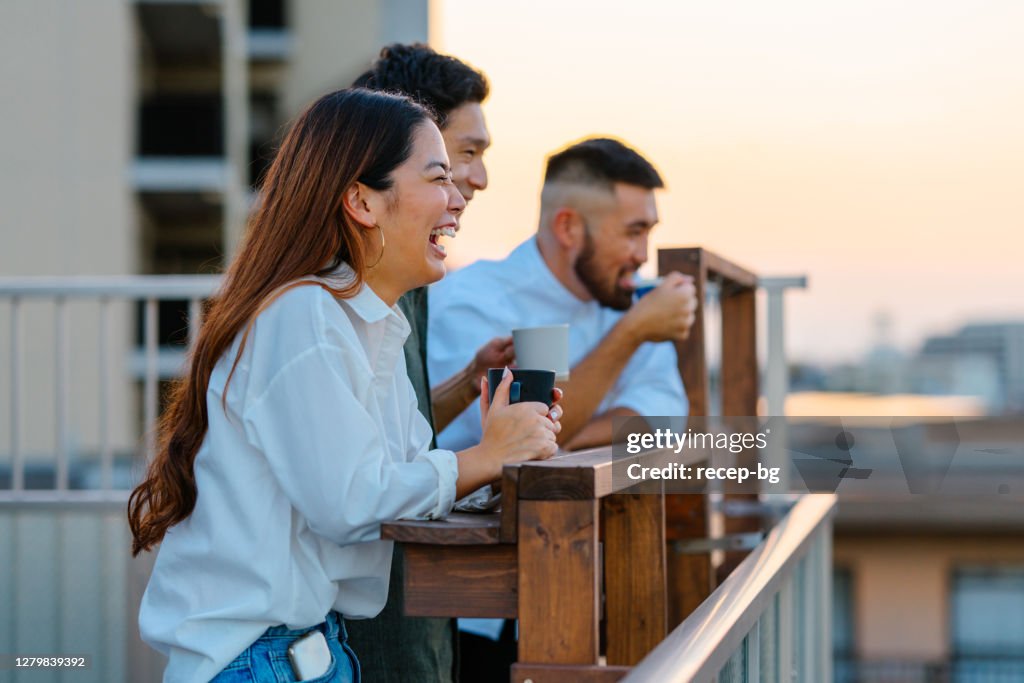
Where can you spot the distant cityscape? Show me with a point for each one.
(982, 362)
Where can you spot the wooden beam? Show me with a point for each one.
(739, 398)
(558, 482)
(509, 513)
(690, 354)
(731, 273)
(461, 580)
(739, 354)
(559, 591)
(561, 673)
(689, 576)
(634, 575)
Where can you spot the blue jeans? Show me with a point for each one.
(266, 660)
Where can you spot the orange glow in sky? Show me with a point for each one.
(876, 147)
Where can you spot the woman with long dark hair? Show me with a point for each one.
(295, 432)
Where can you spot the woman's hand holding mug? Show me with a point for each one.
(515, 432)
(512, 432)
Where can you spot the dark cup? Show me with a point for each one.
(645, 287)
(527, 385)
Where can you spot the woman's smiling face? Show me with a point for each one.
(421, 208)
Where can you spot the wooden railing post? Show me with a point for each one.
(559, 590)
(739, 352)
(690, 576)
(739, 394)
(634, 575)
(691, 353)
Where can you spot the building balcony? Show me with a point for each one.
(115, 352)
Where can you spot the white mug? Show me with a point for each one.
(543, 348)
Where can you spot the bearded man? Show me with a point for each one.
(597, 211)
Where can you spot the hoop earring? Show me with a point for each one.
(381, 230)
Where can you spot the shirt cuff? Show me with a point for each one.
(447, 466)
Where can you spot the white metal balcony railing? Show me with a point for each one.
(155, 362)
(106, 291)
(68, 584)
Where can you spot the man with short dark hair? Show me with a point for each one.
(453, 90)
(597, 211)
(391, 646)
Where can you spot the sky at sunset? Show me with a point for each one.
(876, 147)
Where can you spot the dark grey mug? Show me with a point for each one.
(527, 385)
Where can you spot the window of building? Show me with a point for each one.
(987, 613)
(843, 642)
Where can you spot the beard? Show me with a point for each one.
(608, 293)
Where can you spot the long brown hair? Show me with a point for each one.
(300, 229)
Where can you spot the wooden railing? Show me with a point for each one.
(575, 545)
(575, 541)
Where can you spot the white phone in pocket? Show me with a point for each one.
(309, 656)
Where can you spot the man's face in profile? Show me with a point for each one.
(466, 138)
(615, 245)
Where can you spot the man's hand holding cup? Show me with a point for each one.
(666, 312)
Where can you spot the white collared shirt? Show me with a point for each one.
(490, 298)
(320, 442)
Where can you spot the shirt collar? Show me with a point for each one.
(365, 303)
(532, 261)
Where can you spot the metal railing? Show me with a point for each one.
(155, 361)
(769, 622)
(106, 292)
(68, 583)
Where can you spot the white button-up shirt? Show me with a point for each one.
(319, 443)
(490, 298)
